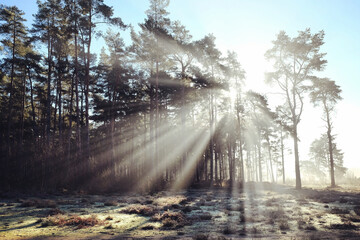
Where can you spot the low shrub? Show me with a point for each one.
(283, 225)
(148, 227)
(109, 227)
(344, 226)
(171, 220)
(205, 216)
(357, 210)
(275, 213)
(139, 209)
(228, 231)
(310, 228)
(169, 201)
(76, 221)
(339, 211)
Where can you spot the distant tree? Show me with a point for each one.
(93, 13)
(283, 129)
(236, 74)
(295, 60)
(181, 54)
(321, 158)
(326, 94)
(210, 56)
(260, 118)
(150, 50)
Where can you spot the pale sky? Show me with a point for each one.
(248, 27)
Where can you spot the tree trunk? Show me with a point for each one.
(332, 172)
(68, 161)
(297, 164)
(184, 153)
(270, 160)
(10, 107)
(60, 108)
(211, 136)
(76, 72)
(33, 114)
(259, 159)
(282, 156)
(87, 83)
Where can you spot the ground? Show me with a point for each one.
(260, 211)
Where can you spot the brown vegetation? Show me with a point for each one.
(139, 209)
(171, 220)
(75, 220)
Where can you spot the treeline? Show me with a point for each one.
(163, 111)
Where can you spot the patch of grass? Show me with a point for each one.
(110, 203)
(55, 211)
(201, 237)
(171, 220)
(354, 219)
(228, 231)
(343, 200)
(275, 213)
(301, 223)
(65, 202)
(170, 200)
(175, 206)
(344, 226)
(139, 209)
(170, 223)
(27, 203)
(186, 209)
(310, 228)
(38, 203)
(85, 200)
(76, 221)
(39, 220)
(301, 201)
(339, 211)
(148, 201)
(109, 227)
(148, 227)
(284, 225)
(237, 208)
(271, 202)
(205, 216)
(46, 203)
(254, 230)
(184, 201)
(357, 210)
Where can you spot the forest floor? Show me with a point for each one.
(260, 211)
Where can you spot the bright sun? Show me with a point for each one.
(251, 57)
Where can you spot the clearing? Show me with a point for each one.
(258, 211)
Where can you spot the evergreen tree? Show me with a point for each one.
(295, 60)
(326, 93)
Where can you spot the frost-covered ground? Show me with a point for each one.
(262, 211)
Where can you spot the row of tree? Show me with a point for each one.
(154, 113)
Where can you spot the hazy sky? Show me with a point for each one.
(248, 27)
